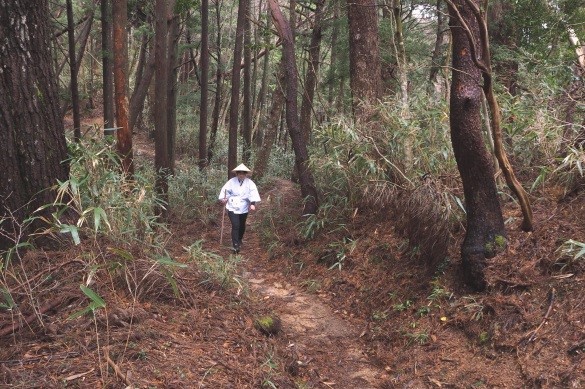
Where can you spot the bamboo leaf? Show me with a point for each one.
(68, 228)
(166, 260)
(97, 301)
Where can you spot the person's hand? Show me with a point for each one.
(223, 201)
(252, 207)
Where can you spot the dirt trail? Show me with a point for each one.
(324, 341)
(321, 340)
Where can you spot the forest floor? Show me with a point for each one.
(375, 317)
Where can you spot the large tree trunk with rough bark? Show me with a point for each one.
(218, 82)
(312, 71)
(364, 56)
(271, 126)
(143, 81)
(235, 93)
(308, 189)
(72, 66)
(124, 133)
(247, 89)
(485, 234)
(204, 103)
(438, 52)
(107, 69)
(33, 138)
(173, 54)
(161, 156)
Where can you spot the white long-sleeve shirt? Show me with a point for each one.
(239, 195)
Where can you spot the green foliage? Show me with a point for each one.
(570, 252)
(379, 315)
(418, 337)
(402, 306)
(438, 292)
(96, 303)
(104, 201)
(193, 193)
(342, 251)
(6, 300)
(219, 271)
(475, 307)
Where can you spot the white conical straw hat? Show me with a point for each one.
(241, 168)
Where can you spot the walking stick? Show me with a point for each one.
(222, 220)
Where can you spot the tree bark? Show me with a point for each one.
(124, 134)
(204, 103)
(173, 53)
(247, 90)
(235, 94)
(485, 234)
(308, 188)
(218, 81)
(272, 123)
(73, 66)
(505, 33)
(141, 90)
(332, 76)
(312, 71)
(107, 68)
(364, 56)
(34, 149)
(161, 156)
(438, 51)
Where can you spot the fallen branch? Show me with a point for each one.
(76, 376)
(117, 370)
(551, 299)
(576, 349)
(16, 326)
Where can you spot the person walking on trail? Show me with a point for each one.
(240, 196)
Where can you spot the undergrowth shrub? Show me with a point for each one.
(570, 255)
(365, 168)
(118, 241)
(193, 193)
(103, 201)
(219, 271)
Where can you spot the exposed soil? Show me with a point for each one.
(376, 318)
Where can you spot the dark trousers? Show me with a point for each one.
(238, 227)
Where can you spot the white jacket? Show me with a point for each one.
(239, 195)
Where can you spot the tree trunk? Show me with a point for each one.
(259, 131)
(161, 156)
(203, 104)
(82, 40)
(438, 51)
(308, 189)
(107, 69)
(485, 234)
(334, 55)
(505, 34)
(218, 81)
(403, 78)
(312, 71)
(124, 133)
(33, 138)
(141, 90)
(72, 66)
(272, 123)
(364, 56)
(173, 54)
(247, 91)
(235, 95)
